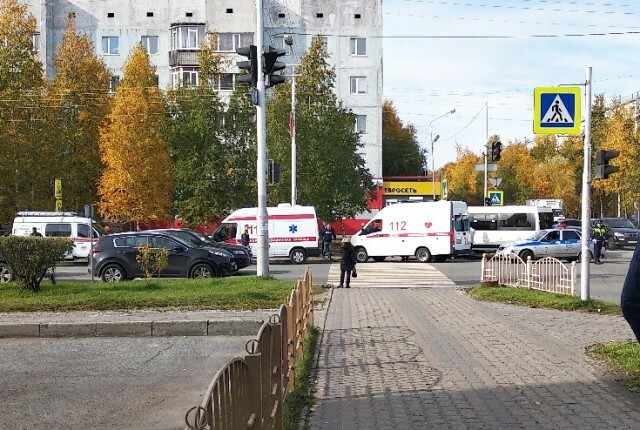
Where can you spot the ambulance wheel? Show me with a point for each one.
(361, 255)
(379, 259)
(298, 256)
(424, 255)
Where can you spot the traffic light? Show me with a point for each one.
(496, 149)
(251, 78)
(271, 65)
(487, 201)
(603, 169)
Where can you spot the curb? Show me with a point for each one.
(132, 328)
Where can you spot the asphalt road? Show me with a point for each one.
(107, 383)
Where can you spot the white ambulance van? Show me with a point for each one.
(58, 224)
(293, 231)
(430, 231)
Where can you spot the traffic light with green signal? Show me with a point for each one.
(603, 169)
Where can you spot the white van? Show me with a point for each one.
(293, 231)
(497, 225)
(428, 230)
(58, 224)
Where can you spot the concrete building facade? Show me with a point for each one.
(172, 31)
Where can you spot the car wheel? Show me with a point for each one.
(361, 255)
(379, 259)
(202, 271)
(113, 273)
(298, 256)
(424, 255)
(525, 254)
(611, 243)
(6, 275)
(579, 259)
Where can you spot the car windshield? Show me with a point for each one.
(537, 235)
(619, 223)
(201, 237)
(188, 237)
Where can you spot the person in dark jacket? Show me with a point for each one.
(347, 261)
(630, 298)
(245, 235)
(328, 235)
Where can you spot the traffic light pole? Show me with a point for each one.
(294, 161)
(486, 154)
(586, 193)
(262, 262)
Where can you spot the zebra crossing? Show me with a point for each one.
(392, 274)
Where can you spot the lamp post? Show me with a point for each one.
(433, 160)
(292, 129)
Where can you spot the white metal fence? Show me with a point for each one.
(547, 274)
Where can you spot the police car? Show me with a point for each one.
(557, 243)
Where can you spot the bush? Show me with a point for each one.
(152, 261)
(30, 257)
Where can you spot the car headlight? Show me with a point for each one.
(221, 253)
(618, 234)
(238, 252)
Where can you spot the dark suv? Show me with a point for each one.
(622, 232)
(114, 257)
(241, 254)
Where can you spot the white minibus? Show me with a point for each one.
(496, 225)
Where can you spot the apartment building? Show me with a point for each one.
(172, 31)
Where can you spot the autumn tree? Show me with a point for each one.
(137, 182)
(401, 152)
(79, 101)
(331, 173)
(22, 162)
(516, 169)
(464, 182)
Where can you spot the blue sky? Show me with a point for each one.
(447, 54)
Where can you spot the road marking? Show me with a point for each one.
(394, 275)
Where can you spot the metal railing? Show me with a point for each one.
(247, 393)
(546, 274)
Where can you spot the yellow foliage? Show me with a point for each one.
(462, 178)
(137, 182)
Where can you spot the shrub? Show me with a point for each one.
(30, 257)
(152, 261)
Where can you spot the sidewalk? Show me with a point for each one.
(430, 357)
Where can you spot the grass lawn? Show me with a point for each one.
(237, 293)
(624, 357)
(541, 299)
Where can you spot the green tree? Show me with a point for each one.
(401, 153)
(331, 174)
(137, 182)
(79, 100)
(22, 161)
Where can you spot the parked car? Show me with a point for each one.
(557, 243)
(622, 232)
(242, 254)
(114, 257)
(567, 223)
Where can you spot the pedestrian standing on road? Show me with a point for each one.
(35, 232)
(328, 237)
(630, 298)
(347, 262)
(600, 233)
(245, 235)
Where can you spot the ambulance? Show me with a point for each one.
(71, 225)
(293, 231)
(430, 231)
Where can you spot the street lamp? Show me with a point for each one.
(292, 128)
(433, 159)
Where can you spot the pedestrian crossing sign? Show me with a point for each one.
(496, 198)
(556, 110)
(445, 189)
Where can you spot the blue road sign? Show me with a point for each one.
(556, 110)
(496, 198)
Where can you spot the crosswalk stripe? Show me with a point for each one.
(394, 275)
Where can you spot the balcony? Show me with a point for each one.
(184, 57)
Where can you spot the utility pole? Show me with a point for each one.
(486, 151)
(262, 262)
(294, 159)
(586, 193)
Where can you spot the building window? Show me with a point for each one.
(229, 10)
(281, 15)
(185, 77)
(35, 41)
(149, 14)
(110, 15)
(113, 83)
(187, 37)
(110, 45)
(357, 16)
(358, 85)
(189, 14)
(229, 42)
(358, 46)
(325, 42)
(319, 15)
(223, 82)
(150, 44)
(361, 123)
